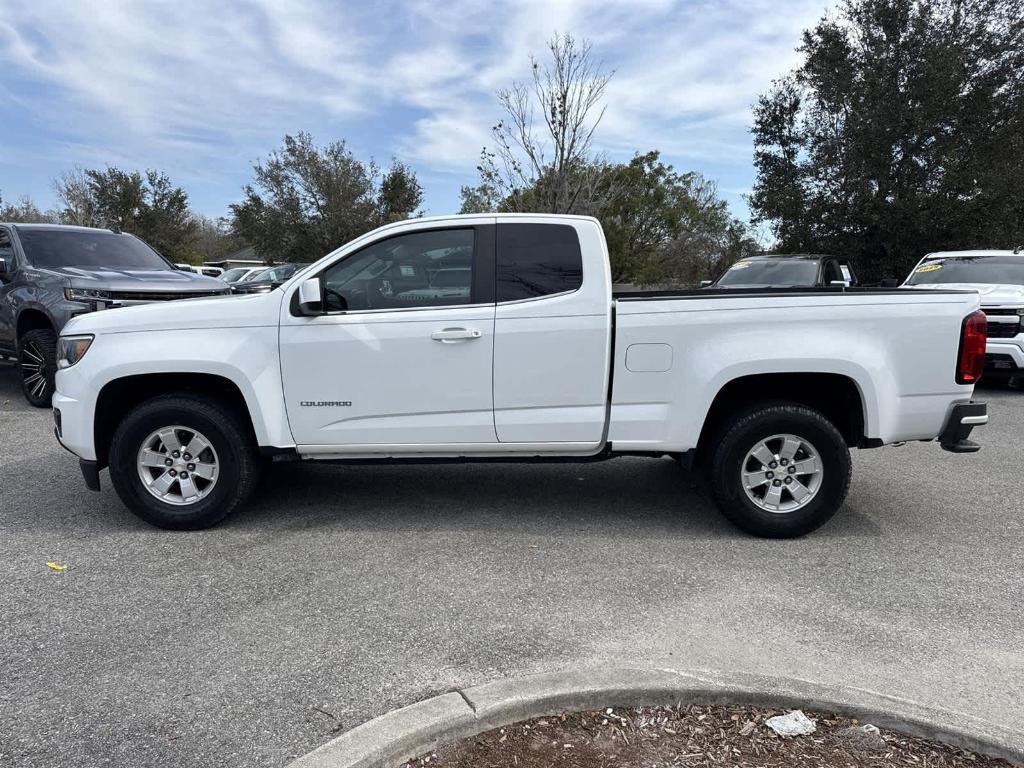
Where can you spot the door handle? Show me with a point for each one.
(451, 335)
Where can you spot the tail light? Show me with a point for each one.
(973, 337)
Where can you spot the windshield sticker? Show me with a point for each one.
(928, 268)
(408, 271)
(740, 265)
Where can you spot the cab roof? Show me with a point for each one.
(805, 256)
(973, 254)
(48, 225)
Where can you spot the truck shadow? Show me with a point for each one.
(631, 497)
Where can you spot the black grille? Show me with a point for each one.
(1000, 329)
(164, 296)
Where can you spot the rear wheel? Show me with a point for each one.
(37, 362)
(182, 462)
(780, 470)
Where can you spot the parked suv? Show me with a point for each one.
(786, 270)
(999, 277)
(50, 273)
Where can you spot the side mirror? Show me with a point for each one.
(889, 282)
(311, 301)
(706, 283)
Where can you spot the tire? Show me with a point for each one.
(230, 457)
(37, 362)
(735, 468)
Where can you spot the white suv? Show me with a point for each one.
(999, 277)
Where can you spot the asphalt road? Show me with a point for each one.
(341, 593)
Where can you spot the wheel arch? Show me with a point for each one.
(33, 318)
(837, 396)
(119, 396)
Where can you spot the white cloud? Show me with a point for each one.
(197, 84)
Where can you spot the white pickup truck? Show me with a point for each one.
(483, 337)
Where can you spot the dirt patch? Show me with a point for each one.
(671, 737)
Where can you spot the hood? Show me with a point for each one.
(108, 279)
(992, 294)
(218, 312)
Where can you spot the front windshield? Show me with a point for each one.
(276, 274)
(89, 249)
(1007, 270)
(765, 273)
(233, 274)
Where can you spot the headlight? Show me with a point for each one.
(71, 349)
(86, 294)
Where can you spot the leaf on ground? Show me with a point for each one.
(55, 566)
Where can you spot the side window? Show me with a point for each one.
(420, 269)
(832, 272)
(537, 260)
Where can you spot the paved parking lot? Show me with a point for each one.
(343, 592)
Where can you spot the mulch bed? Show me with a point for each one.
(690, 736)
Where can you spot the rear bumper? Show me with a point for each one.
(963, 418)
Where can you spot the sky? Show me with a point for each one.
(203, 90)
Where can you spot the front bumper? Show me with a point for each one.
(1004, 356)
(962, 419)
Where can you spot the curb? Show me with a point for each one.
(411, 731)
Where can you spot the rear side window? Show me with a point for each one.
(537, 260)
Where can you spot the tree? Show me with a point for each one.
(78, 204)
(663, 226)
(148, 206)
(306, 201)
(901, 132)
(547, 167)
(214, 240)
(25, 211)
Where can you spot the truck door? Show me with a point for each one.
(552, 333)
(402, 355)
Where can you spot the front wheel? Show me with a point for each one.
(780, 470)
(37, 361)
(182, 462)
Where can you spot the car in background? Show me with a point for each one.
(999, 277)
(50, 273)
(202, 269)
(266, 279)
(238, 274)
(786, 270)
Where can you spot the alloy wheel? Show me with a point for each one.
(178, 465)
(781, 473)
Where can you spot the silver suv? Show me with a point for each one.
(49, 273)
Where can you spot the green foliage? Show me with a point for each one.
(146, 205)
(214, 240)
(25, 211)
(663, 226)
(306, 201)
(901, 133)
